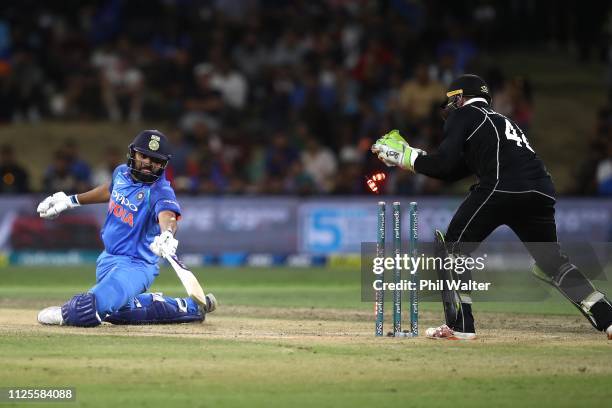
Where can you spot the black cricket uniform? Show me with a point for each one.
(514, 187)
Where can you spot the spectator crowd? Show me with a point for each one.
(271, 97)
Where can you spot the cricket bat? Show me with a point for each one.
(188, 279)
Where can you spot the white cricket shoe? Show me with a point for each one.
(609, 332)
(51, 315)
(446, 333)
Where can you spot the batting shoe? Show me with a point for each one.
(51, 315)
(211, 303)
(446, 333)
(609, 332)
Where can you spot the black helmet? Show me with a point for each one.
(467, 85)
(151, 143)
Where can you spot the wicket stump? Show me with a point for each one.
(413, 299)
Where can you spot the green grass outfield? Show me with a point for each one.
(297, 337)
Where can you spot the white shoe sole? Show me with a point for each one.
(429, 333)
(51, 316)
(464, 336)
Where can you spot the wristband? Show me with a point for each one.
(74, 200)
(414, 154)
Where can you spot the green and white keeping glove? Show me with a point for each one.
(393, 150)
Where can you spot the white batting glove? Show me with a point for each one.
(53, 205)
(164, 244)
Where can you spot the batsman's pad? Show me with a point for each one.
(81, 311)
(450, 298)
(579, 290)
(153, 308)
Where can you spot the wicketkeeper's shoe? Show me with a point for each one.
(51, 315)
(211, 303)
(446, 333)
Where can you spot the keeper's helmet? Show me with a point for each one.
(155, 145)
(466, 86)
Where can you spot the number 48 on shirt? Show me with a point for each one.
(512, 134)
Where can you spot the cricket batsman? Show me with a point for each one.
(513, 189)
(140, 225)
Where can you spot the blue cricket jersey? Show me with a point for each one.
(131, 222)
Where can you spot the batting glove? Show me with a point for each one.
(52, 206)
(164, 244)
(393, 150)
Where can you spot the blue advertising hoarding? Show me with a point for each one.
(271, 225)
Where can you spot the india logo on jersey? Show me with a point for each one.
(117, 206)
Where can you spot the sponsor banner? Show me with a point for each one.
(238, 224)
(42, 258)
(207, 226)
(231, 259)
(335, 226)
(280, 226)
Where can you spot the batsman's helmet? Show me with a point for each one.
(154, 144)
(467, 85)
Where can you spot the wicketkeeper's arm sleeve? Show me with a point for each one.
(448, 162)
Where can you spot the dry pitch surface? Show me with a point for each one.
(265, 347)
(339, 326)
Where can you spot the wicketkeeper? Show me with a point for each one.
(140, 225)
(514, 189)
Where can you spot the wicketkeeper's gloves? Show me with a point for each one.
(393, 150)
